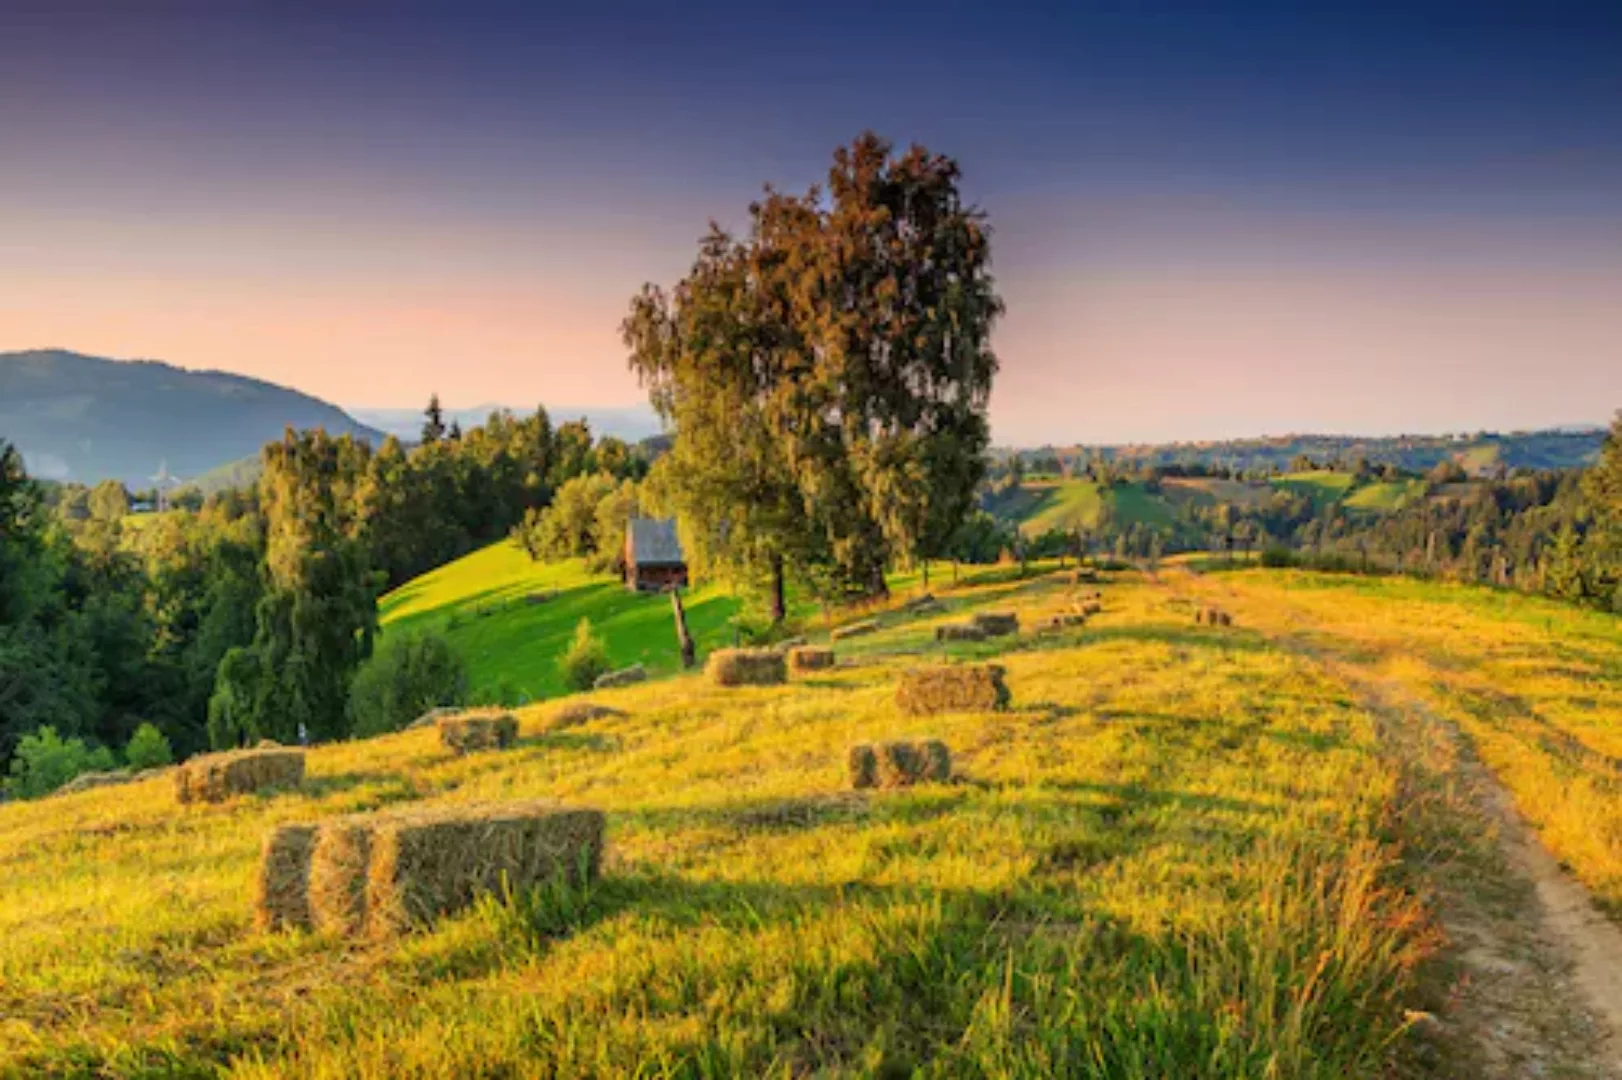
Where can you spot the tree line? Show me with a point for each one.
(247, 617)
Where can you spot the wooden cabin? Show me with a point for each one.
(653, 556)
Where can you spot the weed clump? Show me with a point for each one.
(958, 688)
(217, 777)
(899, 763)
(747, 667)
(464, 733)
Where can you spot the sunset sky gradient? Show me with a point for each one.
(1372, 219)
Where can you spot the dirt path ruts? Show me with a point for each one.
(1539, 992)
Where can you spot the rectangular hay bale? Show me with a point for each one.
(281, 898)
(465, 733)
(435, 862)
(624, 677)
(217, 777)
(339, 862)
(996, 623)
(747, 667)
(955, 688)
(810, 658)
(855, 629)
(959, 632)
(899, 763)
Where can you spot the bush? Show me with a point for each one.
(406, 676)
(45, 761)
(1278, 558)
(585, 660)
(148, 749)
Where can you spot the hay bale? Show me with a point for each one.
(899, 763)
(91, 780)
(789, 644)
(1086, 608)
(747, 667)
(434, 862)
(580, 712)
(217, 777)
(624, 677)
(959, 632)
(957, 688)
(337, 875)
(267, 744)
(855, 629)
(810, 658)
(431, 717)
(1062, 621)
(1212, 616)
(281, 898)
(996, 623)
(464, 733)
(1083, 574)
(543, 597)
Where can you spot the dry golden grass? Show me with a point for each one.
(1168, 857)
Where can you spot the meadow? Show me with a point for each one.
(510, 616)
(1182, 851)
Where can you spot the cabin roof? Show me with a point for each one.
(653, 542)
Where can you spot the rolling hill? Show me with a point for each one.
(85, 418)
(1179, 851)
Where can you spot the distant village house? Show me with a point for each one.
(653, 556)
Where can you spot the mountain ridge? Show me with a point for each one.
(85, 418)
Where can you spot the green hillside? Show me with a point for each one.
(510, 617)
(1320, 485)
(1043, 505)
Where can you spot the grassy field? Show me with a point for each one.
(1385, 496)
(1536, 687)
(488, 605)
(1175, 855)
(1322, 486)
(1041, 506)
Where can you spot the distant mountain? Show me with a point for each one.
(86, 418)
(632, 423)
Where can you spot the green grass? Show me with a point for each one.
(1068, 505)
(1385, 496)
(1322, 485)
(481, 603)
(1169, 858)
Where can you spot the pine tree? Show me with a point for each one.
(433, 427)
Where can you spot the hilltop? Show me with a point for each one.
(1182, 850)
(87, 418)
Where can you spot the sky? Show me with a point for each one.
(1262, 219)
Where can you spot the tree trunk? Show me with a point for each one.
(689, 655)
(954, 571)
(779, 603)
(926, 575)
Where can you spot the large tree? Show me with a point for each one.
(828, 375)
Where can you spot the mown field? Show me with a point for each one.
(1181, 852)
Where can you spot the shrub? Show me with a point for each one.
(406, 676)
(44, 761)
(148, 749)
(585, 660)
(1278, 558)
